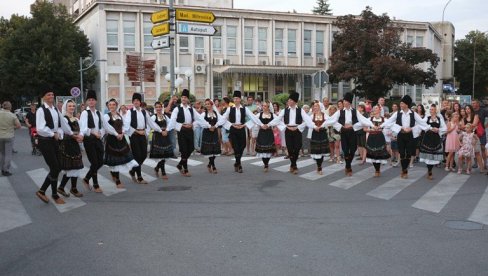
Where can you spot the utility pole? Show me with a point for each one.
(172, 41)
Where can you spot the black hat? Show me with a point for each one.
(294, 96)
(44, 89)
(91, 95)
(237, 94)
(185, 93)
(406, 100)
(137, 96)
(348, 97)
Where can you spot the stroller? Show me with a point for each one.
(34, 141)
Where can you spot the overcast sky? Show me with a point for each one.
(466, 15)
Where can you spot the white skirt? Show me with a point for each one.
(125, 167)
(318, 156)
(377, 161)
(73, 173)
(264, 155)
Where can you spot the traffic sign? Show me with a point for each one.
(159, 30)
(75, 92)
(195, 29)
(195, 16)
(160, 42)
(160, 16)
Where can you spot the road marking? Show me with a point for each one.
(108, 186)
(480, 213)
(439, 195)
(328, 170)
(271, 161)
(191, 162)
(396, 185)
(300, 164)
(357, 177)
(152, 164)
(12, 212)
(246, 158)
(13, 165)
(72, 202)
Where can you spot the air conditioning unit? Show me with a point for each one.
(262, 62)
(278, 63)
(226, 61)
(200, 69)
(164, 70)
(218, 61)
(321, 60)
(200, 57)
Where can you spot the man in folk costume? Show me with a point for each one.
(236, 122)
(295, 120)
(92, 128)
(407, 125)
(182, 119)
(348, 121)
(48, 123)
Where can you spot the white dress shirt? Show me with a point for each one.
(141, 123)
(279, 120)
(362, 121)
(419, 125)
(153, 117)
(84, 129)
(197, 118)
(42, 129)
(227, 124)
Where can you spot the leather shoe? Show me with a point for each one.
(42, 197)
(6, 173)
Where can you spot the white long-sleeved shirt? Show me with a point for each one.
(141, 123)
(227, 124)
(66, 127)
(109, 129)
(219, 119)
(84, 129)
(42, 129)
(419, 125)
(279, 120)
(362, 121)
(197, 118)
(153, 117)
(442, 127)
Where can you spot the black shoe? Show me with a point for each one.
(62, 192)
(14, 151)
(33, 152)
(5, 173)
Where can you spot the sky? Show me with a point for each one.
(466, 15)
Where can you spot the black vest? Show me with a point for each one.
(181, 115)
(91, 122)
(133, 118)
(298, 116)
(399, 119)
(342, 117)
(232, 115)
(49, 118)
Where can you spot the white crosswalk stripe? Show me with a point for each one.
(246, 158)
(326, 171)
(300, 164)
(437, 197)
(72, 202)
(357, 177)
(396, 185)
(152, 164)
(108, 186)
(191, 162)
(271, 161)
(12, 212)
(480, 213)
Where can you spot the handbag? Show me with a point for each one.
(480, 130)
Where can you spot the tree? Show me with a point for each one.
(322, 8)
(463, 68)
(41, 52)
(368, 51)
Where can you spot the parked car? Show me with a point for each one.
(21, 113)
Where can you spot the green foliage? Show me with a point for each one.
(42, 52)
(463, 70)
(166, 96)
(368, 51)
(322, 8)
(281, 98)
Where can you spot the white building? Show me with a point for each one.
(261, 53)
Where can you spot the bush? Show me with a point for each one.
(166, 96)
(282, 99)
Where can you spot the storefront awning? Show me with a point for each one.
(266, 70)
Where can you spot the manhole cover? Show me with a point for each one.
(463, 225)
(174, 188)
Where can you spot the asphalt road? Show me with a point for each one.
(253, 223)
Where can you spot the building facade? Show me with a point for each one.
(261, 53)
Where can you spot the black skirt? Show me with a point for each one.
(70, 155)
(319, 142)
(431, 146)
(265, 141)
(160, 146)
(376, 147)
(117, 152)
(210, 142)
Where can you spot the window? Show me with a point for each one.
(409, 90)
(418, 93)
(334, 92)
(419, 41)
(262, 43)
(307, 88)
(183, 44)
(279, 84)
(199, 45)
(217, 87)
(279, 42)
(147, 26)
(410, 39)
(292, 42)
(112, 35)
(319, 44)
(307, 43)
(231, 40)
(248, 40)
(292, 85)
(217, 45)
(129, 27)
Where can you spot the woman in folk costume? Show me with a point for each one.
(376, 147)
(407, 125)
(431, 151)
(118, 155)
(265, 141)
(210, 135)
(319, 140)
(70, 159)
(161, 147)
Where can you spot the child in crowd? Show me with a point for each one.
(466, 152)
(452, 140)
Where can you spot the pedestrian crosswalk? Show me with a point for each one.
(393, 187)
(12, 212)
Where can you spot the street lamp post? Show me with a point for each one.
(83, 70)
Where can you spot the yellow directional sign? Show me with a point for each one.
(159, 30)
(160, 16)
(195, 16)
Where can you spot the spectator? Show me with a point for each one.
(8, 123)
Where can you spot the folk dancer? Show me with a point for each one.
(138, 121)
(92, 128)
(376, 147)
(210, 135)
(70, 159)
(265, 141)
(161, 146)
(348, 120)
(319, 140)
(431, 149)
(407, 125)
(118, 155)
(48, 123)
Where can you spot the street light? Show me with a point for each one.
(83, 70)
(474, 60)
(188, 74)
